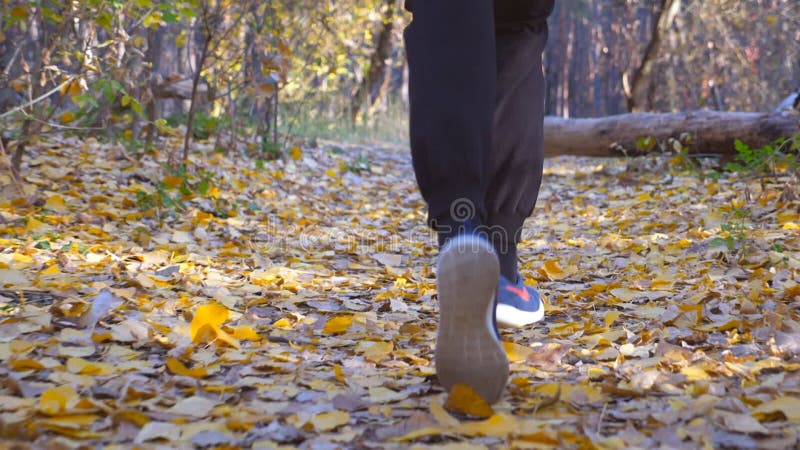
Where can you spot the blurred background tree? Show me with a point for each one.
(251, 74)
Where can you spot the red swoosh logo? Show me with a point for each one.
(523, 293)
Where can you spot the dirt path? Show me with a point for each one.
(293, 303)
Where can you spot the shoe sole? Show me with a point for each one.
(467, 348)
(510, 317)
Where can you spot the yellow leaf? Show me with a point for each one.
(611, 318)
(517, 353)
(205, 326)
(694, 373)
(153, 20)
(464, 400)
(56, 203)
(72, 88)
(57, 400)
(130, 415)
(331, 173)
(498, 425)
(19, 85)
(330, 421)
(338, 372)
(172, 182)
(84, 367)
(442, 416)
(788, 406)
(19, 12)
(71, 421)
(296, 153)
(178, 368)
(25, 364)
(243, 332)
(52, 270)
(553, 270)
(374, 351)
(338, 325)
(283, 323)
(67, 117)
(33, 225)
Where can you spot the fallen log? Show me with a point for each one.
(702, 132)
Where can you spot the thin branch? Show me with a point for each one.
(38, 99)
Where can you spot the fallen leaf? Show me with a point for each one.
(388, 259)
(193, 406)
(178, 368)
(789, 407)
(442, 416)
(517, 353)
(158, 430)
(338, 324)
(375, 351)
(330, 420)
(205, 326)
(57, 400)
(741, 423)
(464, 400)
(552, 269)
(244, 332)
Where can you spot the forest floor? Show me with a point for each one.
(293, 303)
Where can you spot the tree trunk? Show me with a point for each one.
(636, 91)
(372, 86)
(701, 131)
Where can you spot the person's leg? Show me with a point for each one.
(517, 139)
(450, 45)
(452, 76)
(517, 148)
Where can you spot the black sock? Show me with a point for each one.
(508, 260)
(449, 229)
(505, 234)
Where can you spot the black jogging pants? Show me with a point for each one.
(476, 92)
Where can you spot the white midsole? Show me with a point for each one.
(510, 317)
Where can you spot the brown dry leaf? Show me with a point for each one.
(548, 357)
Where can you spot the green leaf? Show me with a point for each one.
(646, 143)
(106, 21)
(740, 146)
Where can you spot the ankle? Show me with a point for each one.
(508, 265)
(449, 230)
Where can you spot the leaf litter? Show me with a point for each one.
(293, 304)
